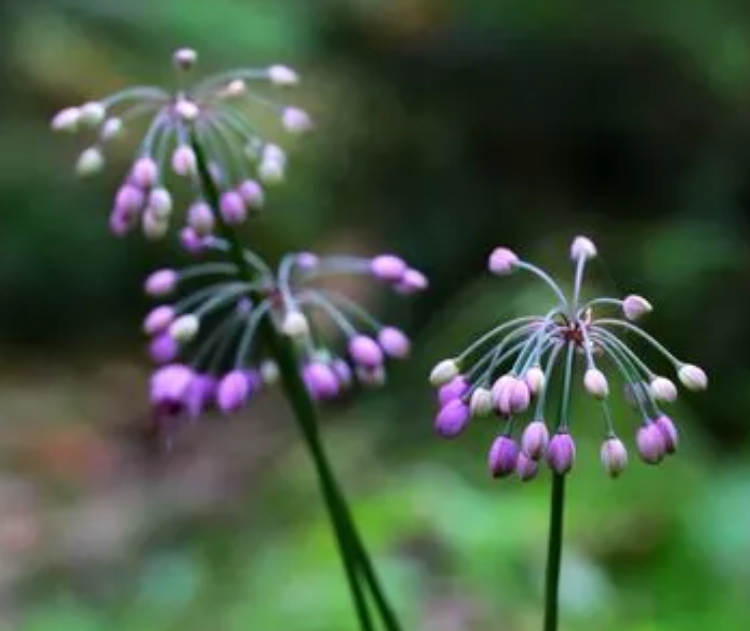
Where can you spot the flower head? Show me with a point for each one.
(213, 329)
(509, 369)
(214, 115)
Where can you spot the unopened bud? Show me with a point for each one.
(282, 75)
(582, 248)
(535, 379)
(90, 162)
(692, 377)
(480, 402)
(614, 456)
(596, 383)
(503, 457)
(184, 58)
(184, 328)
(295, 120)
(535, 440)
(651, 443)
(111, 128)
(295, 324)
(501, 261)
(66, 120)
(633, 307)
(663, 389)
(452, 419)
(561, 453)
(443, 372)
(92, 114)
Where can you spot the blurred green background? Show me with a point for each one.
(443, 129)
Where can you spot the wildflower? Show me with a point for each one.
(213, 329)
(508, 371)
(213, 113)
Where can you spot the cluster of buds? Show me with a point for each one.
(507, 373)
(206, 341)
(213, 114)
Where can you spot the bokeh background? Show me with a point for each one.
(443, 129)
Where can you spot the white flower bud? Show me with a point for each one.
(66, 120)
(295, 324)
(271, 171)
(187, 110)
(282, 75)
(112, 128)
(160, 202)
(663, 389)
(269, 371)
(596, 383)
(184, 328)
(92, 114)
(633, 307)
(234, 88)
(184, 58)
(692, 377)
(90, 162)
(154, 227)
(582, 247)
(480, 403)
(443, 372)
(535, 379)
(295, 120)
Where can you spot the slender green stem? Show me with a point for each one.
(351, 547)
(554, 552)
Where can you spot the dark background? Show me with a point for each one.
(443, 129)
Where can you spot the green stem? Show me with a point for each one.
(351, 548)
(554, 552)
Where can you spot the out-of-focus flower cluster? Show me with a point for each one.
(507, 373)
(205, 340)
(212, 113)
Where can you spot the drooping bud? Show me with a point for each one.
(582, 248)
(184, 58)
(145, 172)
(526, 468)
(269, 372)
(161, 283)
(184, 328)
(158, 320)
(92, 114)
(186, 109)
(66, 120)
(201, 219)
(561, 453)
(307, 261)
(163, 349)
(614, 456)
(651, 443)
(452, 419)
(169, 385)
(282, 75)
(365, 351)
(501, 261)
(511, 395)
(503, 457)
(252, 193)
(111, 128)
(233, 391)
(295, 120)
(321, 380)
(90, 162)
(295, 324)
(394, 342)
(669, 433)
(388, 267)
(535, 379)
(373, 377)
(154, 227)
(200, 395)
(535, 440)
(595, 383)
(232, 208)
(663, 389)
(443, 372)
(160, 202)
(480, 402)
(412, 282)
(184, 162)
(633, 307)
(454, 389)
(692, 377)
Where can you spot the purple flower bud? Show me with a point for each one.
(252, 193)
(233, 391)
(633, 307)
(669, 432)
(184, 162)
(454, 389)
(163, 349)
(121, 223)
(191, 241)
(535, 440)
(501, 261)
(168, 387)
(129, 199)
(388, 267)
(526, 467)
(200, 395)
(394, 342)
(511, 395)
(651, 443)
(158, 320)
(254, 380)
(145, 173)
(343, 372)
(201, 218)
(184, 58)
(411, 282)
(365, 351)
(452, 419)
(321, 380)
(307, 261)
(295, 120)
(503, 457)
(614, 456)
(561, 453)
(582, 247)
(232, 208)
(161, 282)
(372, 377)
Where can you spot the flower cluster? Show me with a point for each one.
(206, 342)
(212, 114)
(507, 372)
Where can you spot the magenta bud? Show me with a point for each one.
(120, 223)
(503, 457)
(184, 162)
(169, 385)
(252, 193)
(535, 440)
(411, 282)
(191, 241)
(614, 456)
(388, 267)
(452, 419)
(163, 349)
(233, 391)
(161, 282)
(365, 351)
(307, 261)
(511, 395)
(651, 443)
(561, 453)
(321, 380)
(501, 261)
(343, 372)
(454, 389)
(200, 395)
(232, 208)
(669, 433)
(201, 218)
(526, 468)
(158, 320)
(394, 342)
(129, 199)
(145, 173)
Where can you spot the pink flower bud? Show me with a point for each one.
(614, 456)
(561, 453)
(663, 389)
(232, 208)
(503, 457)
(526, 468)
(161, 283)
(233, 391)
(365, 351)
(596, 383)
(321, 380)
(511, 395)
(535, 440)
(692, 377)
(669, 433)
(252, 193)
(388, 267)
(145, 172)
(411, 282)
(158, 320)
(201, 218)
(582, 247)
(452, 419)
(454, 389)
(394, 342)
(184, 162)
(633, 307)
(651, 443)
(501, 261)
